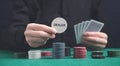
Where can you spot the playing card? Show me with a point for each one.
(75, 29)
(80, 25)
(94, 26)
(84, 26)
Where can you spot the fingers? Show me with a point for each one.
(96, 34)
(38, 34)
(36, 39)
(35, 42)
(93, 46)
(95, 37)
(96, 40)
(41, 27)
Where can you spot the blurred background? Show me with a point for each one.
(111, 13)
(5, 12)
(109, 10)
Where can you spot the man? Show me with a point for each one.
(32, 20)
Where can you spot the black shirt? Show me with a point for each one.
(43, 12)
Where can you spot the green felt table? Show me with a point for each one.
(7, 59)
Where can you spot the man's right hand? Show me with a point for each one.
(37, 34)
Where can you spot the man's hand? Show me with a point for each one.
(38, 34)
(95, 40)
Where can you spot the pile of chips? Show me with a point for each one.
(21, 55)
(58, 50)
(100, 54)
(46, 53)
(113, 53)
(34, 54)
(67, 51)
(80, 52)
(97, 54)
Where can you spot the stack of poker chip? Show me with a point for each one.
(113, 53)
(97, 54)
(80, 52)
(21, 54)
(67, 51)
(58, 50)
(46, 53)
(34, 54)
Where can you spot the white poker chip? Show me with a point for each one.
(34, 54)
(60, 24)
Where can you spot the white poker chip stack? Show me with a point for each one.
(34, 54)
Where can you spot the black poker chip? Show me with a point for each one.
(98, 56)
(97, 52)
(20, 54)
(113, 53)
(67, 51)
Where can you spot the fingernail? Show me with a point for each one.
(53, 36)
(55, 30)
(85, 33)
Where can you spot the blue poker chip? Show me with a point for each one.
(58, 50)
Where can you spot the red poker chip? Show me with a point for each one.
(46, 53)
(79, 56)
(80, 48)
(80, 52)
(77, 50)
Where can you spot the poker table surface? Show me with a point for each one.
(7, 59)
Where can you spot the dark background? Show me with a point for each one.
(109, 8)
(5, 12)
(111, 14)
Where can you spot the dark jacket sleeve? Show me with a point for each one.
(13, 37)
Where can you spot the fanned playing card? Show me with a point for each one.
(86, 26)
(94, 26)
